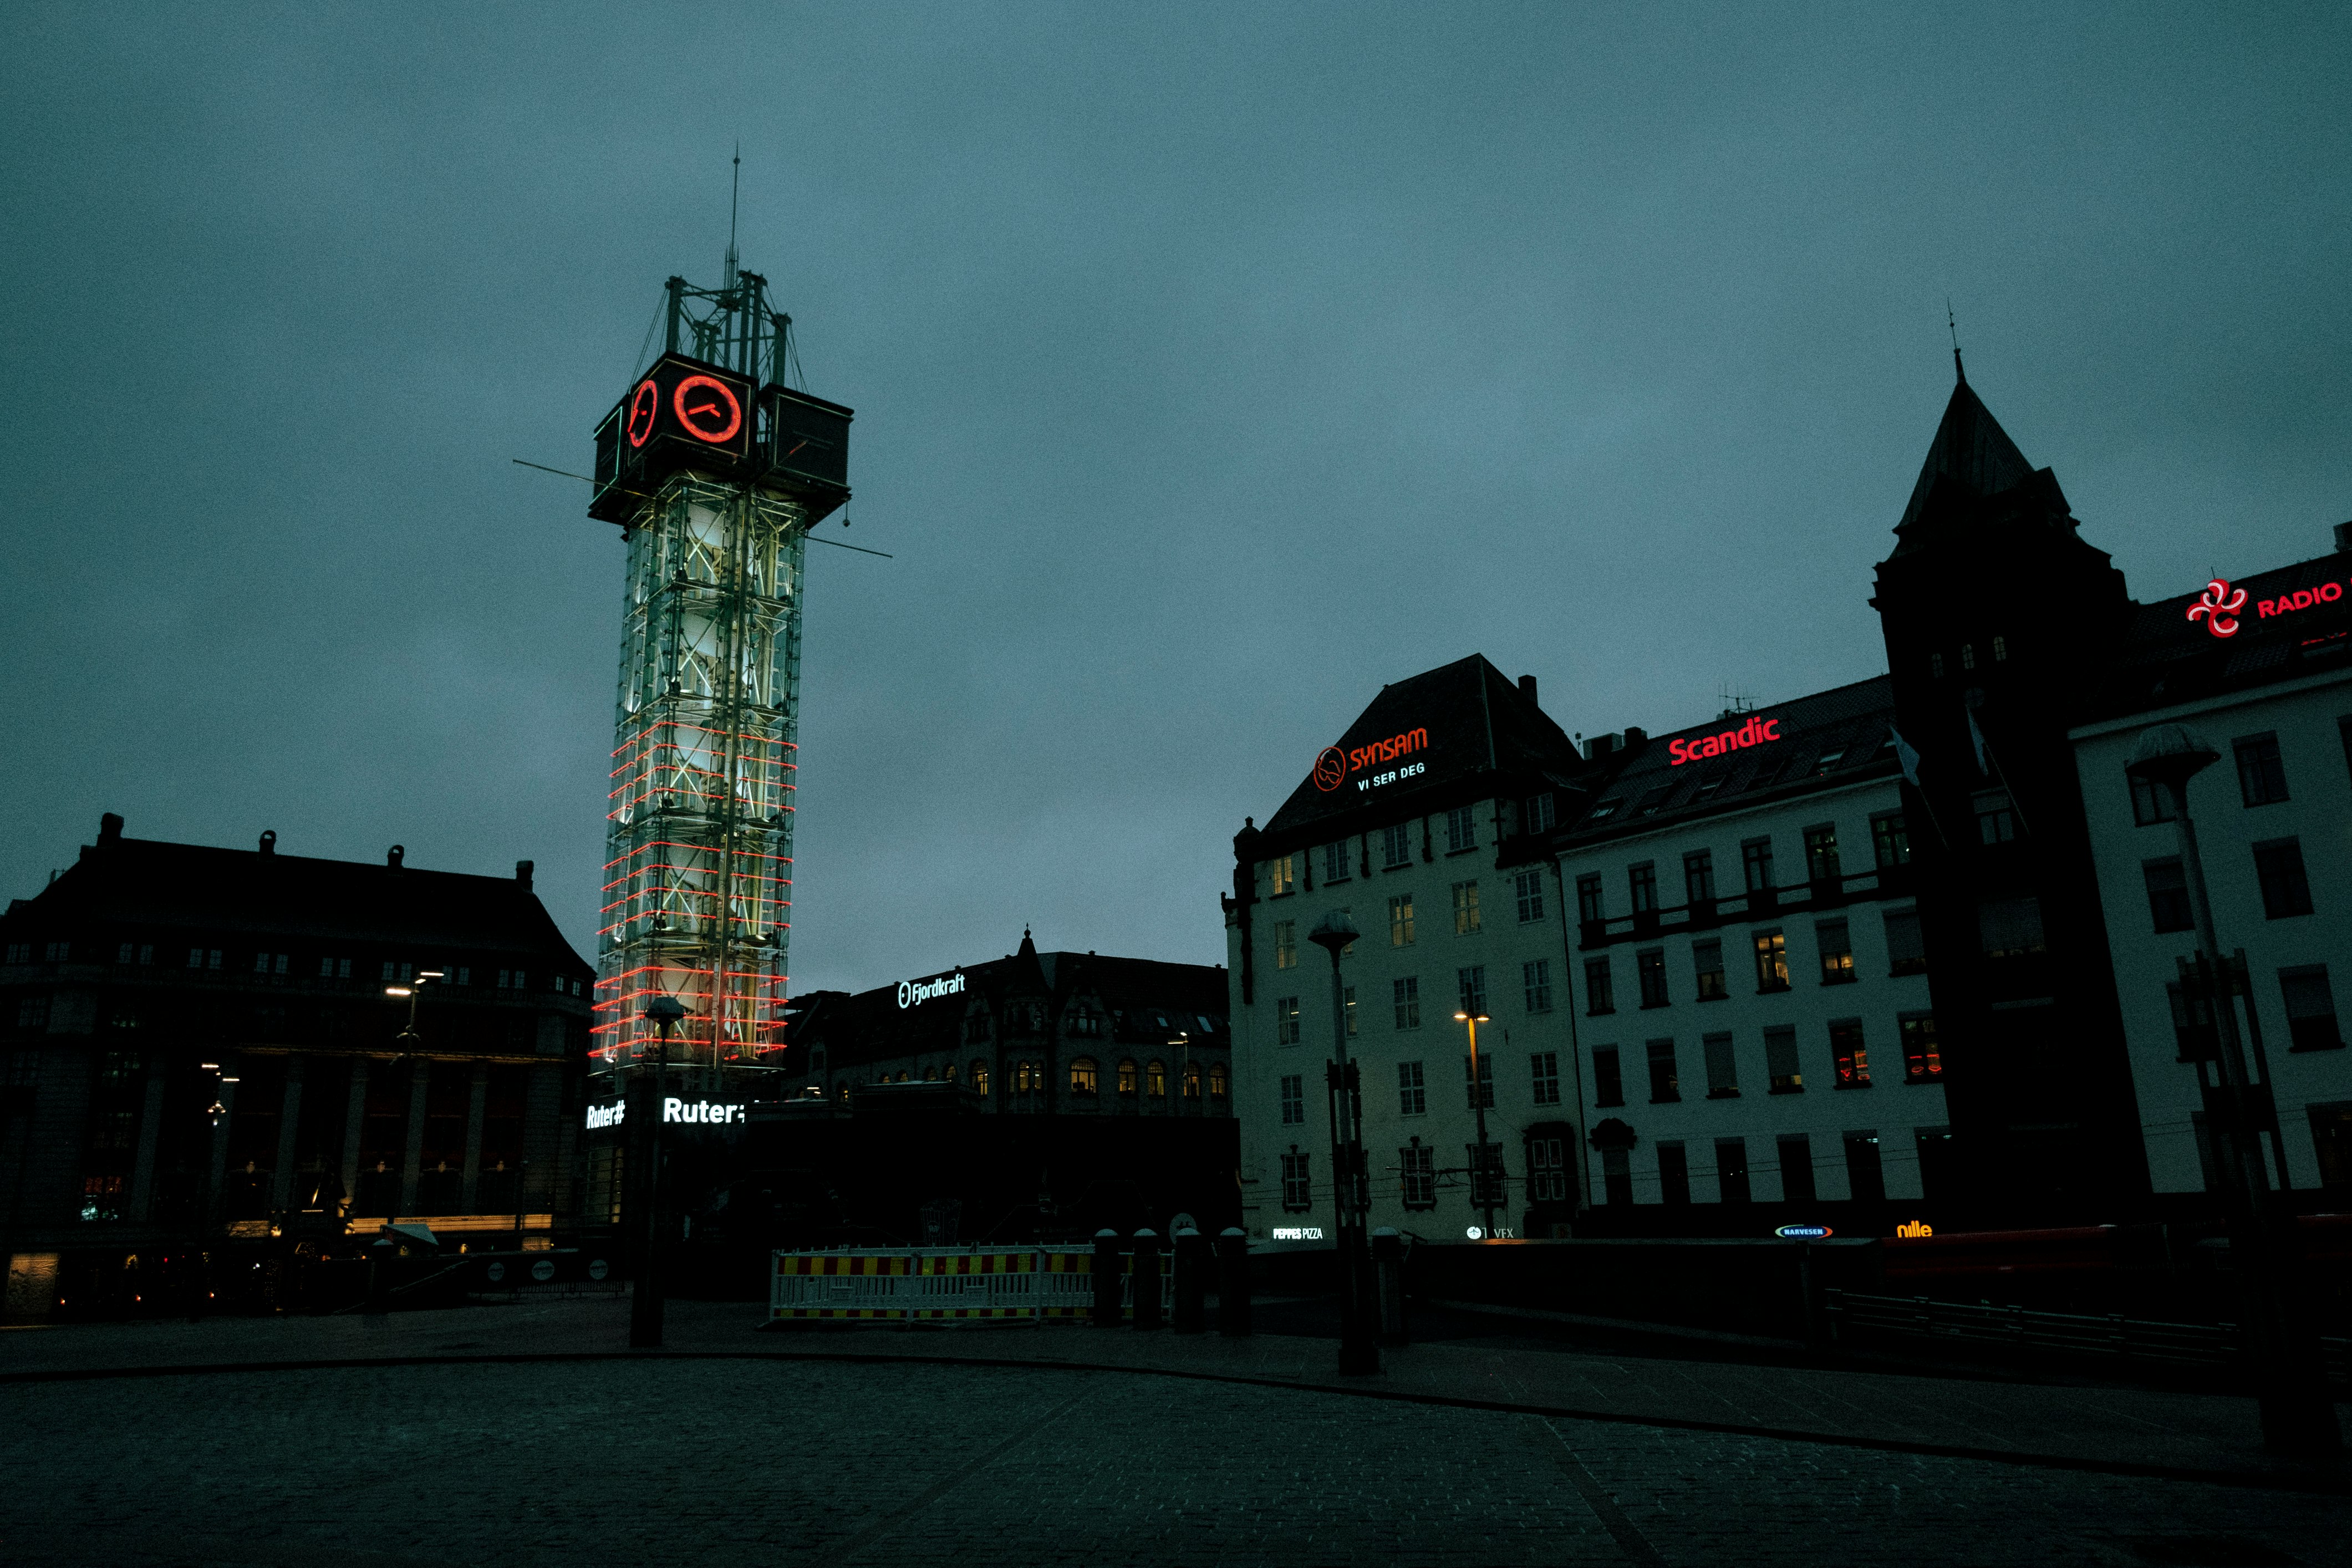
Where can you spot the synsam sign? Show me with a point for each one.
(1334, 766)
(1752, 733)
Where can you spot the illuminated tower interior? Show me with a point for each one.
(714, 471)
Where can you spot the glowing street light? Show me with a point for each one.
(1481, 1177)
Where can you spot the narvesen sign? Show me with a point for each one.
(1336, 767)
(700, 1112)
(912, 992)
(1755, 732)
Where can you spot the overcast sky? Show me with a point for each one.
(1213, 366)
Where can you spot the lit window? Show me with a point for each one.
(1283, 874)
(1771, 962)
(1837, 952)
(1922, 1063)
(1286, 945)
(1085, 1077)
(1465, 909)
(1128, 1073)
(1155, 1080)
(1191, 1083)
(1848, 1055)
(1217, 1085)
(1400, 920)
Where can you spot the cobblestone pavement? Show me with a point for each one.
(723, 1462)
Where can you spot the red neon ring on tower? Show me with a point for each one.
(734, 409)
(644, 407)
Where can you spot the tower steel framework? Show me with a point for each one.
(698, 875)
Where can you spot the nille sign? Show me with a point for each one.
(1755, 732)
(1335, 767)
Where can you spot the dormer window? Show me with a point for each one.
(1999, 649)
(1968, 656)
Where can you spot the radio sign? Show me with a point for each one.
(1335, 766)
(1755, 732)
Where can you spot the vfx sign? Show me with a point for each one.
(1335, 767)
(1755, 732)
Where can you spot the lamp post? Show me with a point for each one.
(645, 1294)
(2297, 1416)
(1360, 1351)
(1482, 1179)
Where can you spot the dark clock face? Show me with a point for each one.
(645, 408)
(707, 408)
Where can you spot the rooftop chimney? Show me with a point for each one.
(1636, 737)
(523, 872)
(2344, 538)
(1528, 687)
(1599, 746)
(109, 827)
(391, 857)
(270, 841)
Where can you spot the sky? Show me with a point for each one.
(1213, 366)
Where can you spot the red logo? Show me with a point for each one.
(702, 421)
(1331, 769)
(1755, 732)
(2217, 607)
(645, 407)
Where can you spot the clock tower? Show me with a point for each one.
(715, 470)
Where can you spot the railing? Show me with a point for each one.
(944, 1285)
(2116, 1339)
(1706, 914)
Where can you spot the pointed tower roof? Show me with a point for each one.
(1972, 454)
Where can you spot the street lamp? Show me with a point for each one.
(645, 1295)
(1359, 1350)
(1481, 1178)
(2297, 1416)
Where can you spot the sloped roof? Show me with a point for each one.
(1970, 454)
(2163, 656)
(1459, 721)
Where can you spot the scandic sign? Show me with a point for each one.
(1334, 767)
(1755, 732)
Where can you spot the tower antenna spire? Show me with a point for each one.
(1952, 323)
(734, 201)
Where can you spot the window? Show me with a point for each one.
(1335, 862)
(1938, 1179)
(1086, 1077)
(1673, 1173)
(1296, 1188)
(1478, 1095)
(1921, 1061)
(1722, 1069)
(2278, 866)
(1848, 1055)
(1890, 842)
(1348, 1006)
(33, 1013)
(1968, 656)
(1286, 945)
(1836, 944)
(1796, 1167)
(1707, 959)
(1487, 1176)
(1756, 864)
(1587, 897)
(1396, 844)
(1460, 829)
(1781, 1060)
(1650, 969)
(1417, 1167)
(1546, 1068)
(1608, 1084)
(1936, 665)
(1539, 813)
(1731, 1168)
(2150, 803)
(1406, 994)
(1413, 1091)
(1285, 1021)
(1664, 1085)
(2310, 1009)
(1822, 853)
(1996, 819)
(980, 1077)
(1906, 953)
(1470, 985)
(2011, 928)
(2167, 894)
(1865, 1180)
(1699, 878)
(1600, 989)
(1534, 983)
(2331, 1141)
(1282, 875)
(1548, 1170)
(1022, 1078)
(1999, 649)
(1528, 887)
(1465, 909)
(2260, 780)
(1155, 1080)
(1293, 1099)
(1644, 881)
(1616, 1175)
(1771, 962)
(1400, 920)
(20, 952)
(1191, 1083)
(1130, 1078)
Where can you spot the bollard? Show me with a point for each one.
(1147, 1279)
(1388, 1284)
(1191, 1313)
(1106, 1281)
(380, 1253)
(1232, 1284)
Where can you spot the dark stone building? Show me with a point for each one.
(198, 1055)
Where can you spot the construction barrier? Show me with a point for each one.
(940, 1285)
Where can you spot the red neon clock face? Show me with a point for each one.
(645, 407)
(706, 407)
